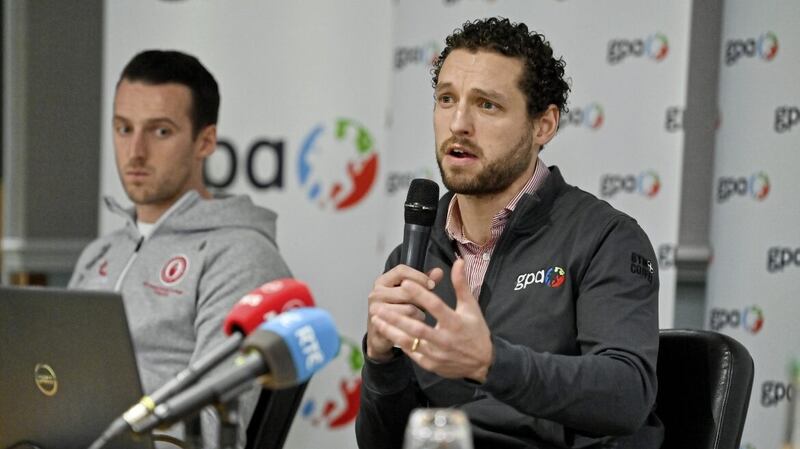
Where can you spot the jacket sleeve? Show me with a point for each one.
(389, 392)
(610, 387)
(388, 395)
(87, 264)
(233, 267)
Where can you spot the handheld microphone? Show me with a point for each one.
(420, 213)
(249, 312)
(283, 352)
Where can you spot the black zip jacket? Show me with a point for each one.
(571, 299)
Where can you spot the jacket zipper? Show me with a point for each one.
(121, 278)
(173, 208)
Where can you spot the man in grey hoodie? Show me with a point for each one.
(183, 257)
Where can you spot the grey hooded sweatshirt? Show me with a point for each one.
(179, 284)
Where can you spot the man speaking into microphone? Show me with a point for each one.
(184, 256)
(535, 311)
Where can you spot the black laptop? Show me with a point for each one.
(67, 368)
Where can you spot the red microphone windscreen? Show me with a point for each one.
(266, 302)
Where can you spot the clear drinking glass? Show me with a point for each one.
(438, 428)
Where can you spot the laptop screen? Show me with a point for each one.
(67, 368)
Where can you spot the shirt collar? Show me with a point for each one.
(453, 224)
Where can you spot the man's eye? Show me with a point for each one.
(488, 105)
(123, 130)
(163, 132)
(445, 99)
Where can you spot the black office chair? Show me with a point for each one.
(704, 384)
(273, 417)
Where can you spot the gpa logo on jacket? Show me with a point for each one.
(337, 164)
(552, 277)
(655, 47)
(765, 47)
(172, 272)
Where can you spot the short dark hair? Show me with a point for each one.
(542, 79)
(162, 67)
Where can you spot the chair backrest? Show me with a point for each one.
(704, 384)
(273, 417)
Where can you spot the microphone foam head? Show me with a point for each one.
(266, 302)
(421, 202)
(296, 344)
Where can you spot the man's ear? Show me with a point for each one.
(206, 141)
(545, 125)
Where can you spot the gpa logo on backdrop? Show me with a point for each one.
(454, 2)
(780, 257)
(263, 164)
(756, 186)
(774, 392)
(400, 181)
(646, 183)
(592, 116)
(552, 277)
(765, 47)
(674, 119)
(666, 256)
(337, 164)
(785, 118)
(339, 409)
(654, 47)
(425, 54)
(750, 318)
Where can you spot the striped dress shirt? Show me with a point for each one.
(477, 257)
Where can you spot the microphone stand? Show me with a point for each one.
(228, 423)
(194, 432)
(228, 410)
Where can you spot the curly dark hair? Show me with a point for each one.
(542, 80)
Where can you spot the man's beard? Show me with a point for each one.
(496, 176)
